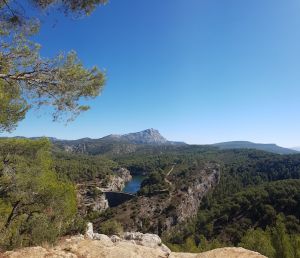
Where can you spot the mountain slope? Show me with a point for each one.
(258, 146)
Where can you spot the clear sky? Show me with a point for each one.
(200, 71)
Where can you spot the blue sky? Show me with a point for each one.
(200, 71)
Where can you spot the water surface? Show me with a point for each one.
(134, 185)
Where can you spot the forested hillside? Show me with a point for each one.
(255, 205)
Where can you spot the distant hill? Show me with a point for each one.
(258, 146)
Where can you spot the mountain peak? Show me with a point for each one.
(148, 136)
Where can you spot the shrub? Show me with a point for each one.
(111, 227)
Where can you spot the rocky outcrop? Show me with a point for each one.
(118, 180)
(124, 174)
(91, 195)
(90, 198)
(192, 196)
(137, 238)
(80, 247)
(129, 245)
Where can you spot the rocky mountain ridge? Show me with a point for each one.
(148, 136)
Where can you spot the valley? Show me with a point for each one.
(195, 197)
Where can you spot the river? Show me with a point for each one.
(134, 184)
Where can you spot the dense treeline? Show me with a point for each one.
(146, 164)
(82, 168)
(154, 183)
(35, 206)
(229, 219)
(245, 168)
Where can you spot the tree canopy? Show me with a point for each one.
(35, 206)
(29, 80)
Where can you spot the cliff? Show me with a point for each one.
(118, 180)
(90, 195)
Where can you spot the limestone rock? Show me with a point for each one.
(101, 237)
(89, 231)
(79, 248)
(130, 245)
(115, 239)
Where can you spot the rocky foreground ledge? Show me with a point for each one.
(130, 245)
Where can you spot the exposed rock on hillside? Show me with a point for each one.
(118, 181)
(90, 198)
(149, 136)
(91, 195)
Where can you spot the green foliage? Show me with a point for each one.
(258, 240)
(77, 6)
(111, 227)
(233, 216)
(12, 107)
(83, 168)
(273, 242)
(281, 240)
(35, 207)
(28, 80)
(155, 183)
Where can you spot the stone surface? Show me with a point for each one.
(89, 233)
(87, 248)
(227, 252)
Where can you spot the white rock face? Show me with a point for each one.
(115, 239)
(101, 237)
(149, 136)
(101, 203)
(147, 240)
(137, 238)
(117, 181)
(89, 233)
(78, 248)
(150, 240)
